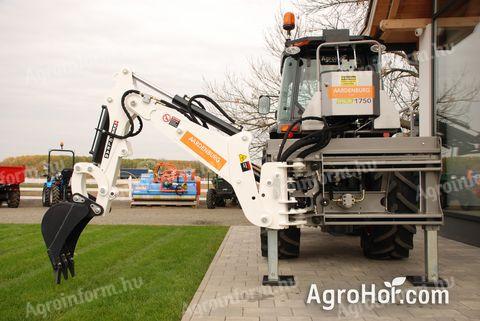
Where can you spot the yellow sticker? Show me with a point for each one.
(344, 101)
(242, 158)
(348, 80)
(203, 150)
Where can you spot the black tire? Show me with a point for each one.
(14, 198)
(235, 202)
(46, 196)
(55, 195)
(220, 201)
(211, 198)
(288, 243)
(383, 242)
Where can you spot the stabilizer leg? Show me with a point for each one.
(273, 278)
(431, 277)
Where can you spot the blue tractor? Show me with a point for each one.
(57, 187)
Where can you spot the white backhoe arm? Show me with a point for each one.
(228, 156)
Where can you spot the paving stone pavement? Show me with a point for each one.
(231, 289)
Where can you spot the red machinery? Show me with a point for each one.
(10, 179)
(166, 174)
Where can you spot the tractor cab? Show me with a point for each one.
(336, 60)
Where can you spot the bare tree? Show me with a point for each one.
(334, 14)
(239, 94)
(453, 101)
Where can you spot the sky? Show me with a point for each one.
(58, 58)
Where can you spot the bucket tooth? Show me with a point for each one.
(58, 273)
(62, 225)
(71, 266)
(64, 266)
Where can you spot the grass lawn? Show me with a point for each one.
(123, 273)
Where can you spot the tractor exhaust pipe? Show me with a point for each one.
(62, 225)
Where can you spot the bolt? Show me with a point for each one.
(89, 168)
(103, 190)
(125, 71)
(239, 181)
(264, 219)
(78, 168)
(124, 152)
(109, 99)
(179, 131)
(244, 138)
(95, 209)
(133, 103)
(269, 183)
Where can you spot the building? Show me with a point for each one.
(445, 36)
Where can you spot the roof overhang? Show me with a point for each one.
(394, 21)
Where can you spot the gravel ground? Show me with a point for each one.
(31, 211)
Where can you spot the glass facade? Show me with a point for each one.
(457, 101)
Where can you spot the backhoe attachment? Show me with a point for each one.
(217, 144)
(62, 225)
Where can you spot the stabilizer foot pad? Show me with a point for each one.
(283, 280)
(421, 280)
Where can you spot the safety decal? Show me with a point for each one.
(203, 150)
(108, 149)
(166, 118)
(174, 121)
(246, 166)
(242, 157)
(244, 163)
(350, 80)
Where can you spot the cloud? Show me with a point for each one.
(58, 57)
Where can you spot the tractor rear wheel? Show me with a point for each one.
(288, 242)
(393, 241)
(211, 198)
(46, 196)
(14, 198)
(55, 195)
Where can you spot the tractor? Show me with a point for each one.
(221, 192)
(351, 168)
(57, 187)
(10, 179)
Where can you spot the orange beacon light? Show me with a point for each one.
(288, 21)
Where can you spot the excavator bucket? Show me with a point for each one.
(62, 225)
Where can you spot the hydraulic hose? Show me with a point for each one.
(213, 102)
(131, 132)
(299, 144)
(319, 139)
(285, 136)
